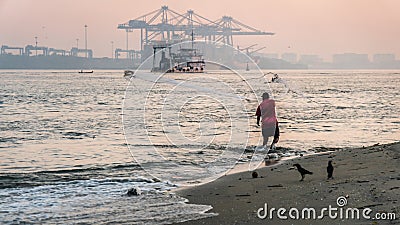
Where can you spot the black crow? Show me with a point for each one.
(329, 169)
(254, 174)
(302, 171)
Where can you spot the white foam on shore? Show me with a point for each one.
(98, 201)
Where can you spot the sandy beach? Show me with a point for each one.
(366, 178)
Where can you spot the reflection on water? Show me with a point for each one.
(61, 134)
(354, 109)
(59, 120)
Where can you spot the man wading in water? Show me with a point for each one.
(269, 122)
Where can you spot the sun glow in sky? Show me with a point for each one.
(322, 27)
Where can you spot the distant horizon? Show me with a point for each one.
(304, 27)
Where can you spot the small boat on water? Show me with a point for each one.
(186, 60)
(81, 71)
(128, 73)
(275, 78)
(183, 60)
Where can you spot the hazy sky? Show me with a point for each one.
(322, 27)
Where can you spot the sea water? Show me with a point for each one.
(64, 155)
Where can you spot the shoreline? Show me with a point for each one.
(366, 176)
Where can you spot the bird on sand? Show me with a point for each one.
(302, 171)
(329, 170)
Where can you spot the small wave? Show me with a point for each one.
(98, 202)
(184, 146)
(9, 139)
(47, 177)
(343, 107)
(252, 148)
(324, 149)
(334, 90)
(76, 135)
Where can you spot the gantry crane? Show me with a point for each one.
(166, 25)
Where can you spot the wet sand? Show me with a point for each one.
(368, 177)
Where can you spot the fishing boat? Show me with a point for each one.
(275, 78)
(82, 71)
(128, 73)
(184, 60)
(187, 60)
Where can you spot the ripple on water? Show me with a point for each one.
(63, 131)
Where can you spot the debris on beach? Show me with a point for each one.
(135, 191)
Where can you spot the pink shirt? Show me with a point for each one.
(267, 112)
